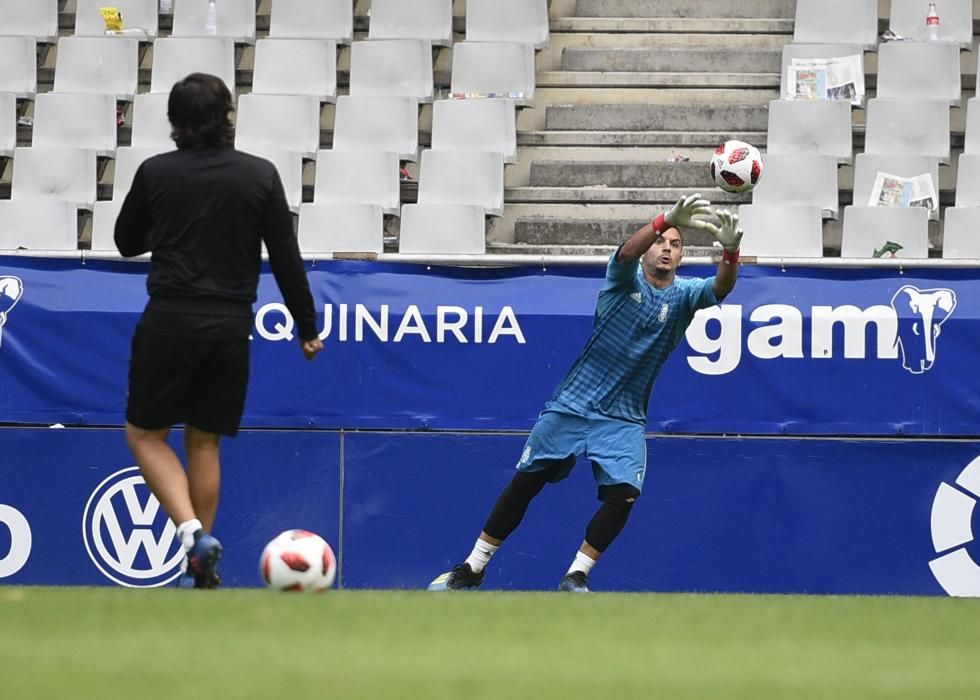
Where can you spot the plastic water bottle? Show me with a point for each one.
(211, 19)
(932, 23)
(167, 7)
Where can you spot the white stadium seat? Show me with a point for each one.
(961, 233)
(907, 18)
(285, 122)
(925, 70)
(136, 14)
(395, 67)
(470, 125)
(73, 180)
(296, 67)
(377, 124)
(359, 177)
(816, 51)
(104, 216)
(968, 180)
(128, 160)
(972, 141)
(869, 229)
(312, 19)
(896, 125)
(431, 20)
(101, 65)
(36, 18)
(493, 69)
(803, 179)
(868, 165)
(518, 21)
(175, 58)
(38, 224)
(781, 230)
(151, 127)
(463, 177)
(235, 21)
(837, 22)
(74, 120)
(818, 127)
(289, 165)
(8, 124)
(439, 229)
(340, 227)
(18, 65)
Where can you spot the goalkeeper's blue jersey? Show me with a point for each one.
(635, 328)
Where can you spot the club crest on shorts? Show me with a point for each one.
(11, 290)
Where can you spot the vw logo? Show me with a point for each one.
(128, 536)
(952, 520)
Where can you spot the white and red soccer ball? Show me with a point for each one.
(736, 166)
(298, 560)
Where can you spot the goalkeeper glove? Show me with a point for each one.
(689, 212)
(729, 234)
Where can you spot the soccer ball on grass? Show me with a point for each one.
(736, 166)
(298, 560)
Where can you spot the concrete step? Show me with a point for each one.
(717, 9)
(549, 58)
(613, 39)
(673, 60)
(670, 25)
(602, 195)
(663, 117)
(653, 100)
(519, 173)
(666, 139)
(624, 174)
(598, 250)
(632, 80)
(543, 230)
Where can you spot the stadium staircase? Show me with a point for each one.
(621, 94)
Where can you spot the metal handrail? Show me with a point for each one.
(515, 260)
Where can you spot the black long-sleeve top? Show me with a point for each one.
(203, 214)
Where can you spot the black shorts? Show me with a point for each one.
(192, 380)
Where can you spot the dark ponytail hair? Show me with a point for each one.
(198, 110)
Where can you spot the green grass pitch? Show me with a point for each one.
(115, 643)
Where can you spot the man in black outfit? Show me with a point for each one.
(203, 211)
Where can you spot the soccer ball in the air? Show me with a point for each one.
(298, 560)
(736, 166)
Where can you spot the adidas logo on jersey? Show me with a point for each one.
(637, 297)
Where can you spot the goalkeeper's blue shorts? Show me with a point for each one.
(616, 448)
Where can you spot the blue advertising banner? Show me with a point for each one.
(767, 515)
(804, 351)
(74, 509)
(763, 515)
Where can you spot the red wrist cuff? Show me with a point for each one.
(730, 256)
(660, 224)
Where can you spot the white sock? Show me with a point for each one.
(480, 556)
(185, 531)
(582, 563)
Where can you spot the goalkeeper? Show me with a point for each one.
(599, 408)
